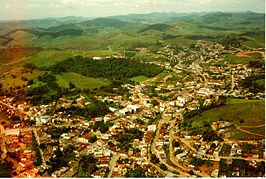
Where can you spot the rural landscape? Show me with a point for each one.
(161, 94)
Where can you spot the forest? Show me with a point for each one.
(112, 68)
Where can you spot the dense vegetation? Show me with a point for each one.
(126, 138)
(243, 167)
(252, 85)
(72, 32)
(96, 108)
(36, 148)
(137, 172)
(46, 92)
(106, 68)
(87, 165)
(5, 169)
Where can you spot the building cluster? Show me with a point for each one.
(158, 118)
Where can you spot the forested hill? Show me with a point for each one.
(106, 68)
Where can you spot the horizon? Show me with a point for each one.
(37, 9)
(95, 17)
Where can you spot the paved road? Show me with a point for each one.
(153, 149)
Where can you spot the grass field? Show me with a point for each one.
(259, 130)
(234, 101)
(235, 60)
(79, 81)
(253, 113)
(49, 57)
(97, 53)
(242, 135)
(261, 82)
(139, 78)
(257, 41)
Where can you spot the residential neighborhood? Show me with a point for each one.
(148, 132)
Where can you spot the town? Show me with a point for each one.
(158, 129)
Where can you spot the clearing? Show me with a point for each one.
(79, 81)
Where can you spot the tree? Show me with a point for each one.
(175, 143)
(163, 166)
(71, 85)
(93, 139)
(154, 102)
(154, 159)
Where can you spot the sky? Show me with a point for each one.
(34, 9)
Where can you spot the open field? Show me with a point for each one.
(139, 78)
(234, 101)
(242, 135)
(96, 53)
(49, 57)
(79, 81)
(257, 41)
(258, 130)
(233, 59)
(252, 113)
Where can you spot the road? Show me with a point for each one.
(2, 144)
(153, 150)
(249, 132)
(112, 164)
(38, 141)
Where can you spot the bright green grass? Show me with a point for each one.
(259, 130)
(79, 81)
(49, 57)
(139, 78)
(253, 113)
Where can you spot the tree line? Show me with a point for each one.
(107, 68)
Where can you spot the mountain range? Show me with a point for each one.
(131, 31)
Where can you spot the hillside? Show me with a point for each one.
(8, 55)
(139, 30)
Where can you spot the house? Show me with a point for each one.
(12, 132)
(152, 128)
(82, 140)
(96, 58)
(96, 175)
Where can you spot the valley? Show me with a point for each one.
(139, 95)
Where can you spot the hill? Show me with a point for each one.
(8, 55)
(139, 30)
(158, 27)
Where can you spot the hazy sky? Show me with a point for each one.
(28, 9)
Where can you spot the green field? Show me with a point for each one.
(261, 82)
(79, 81)
(235, 60)
(253, 113)
(139, 78)
(256, 41)
(49, 57)
(259, 130)
(97, 53)
(234, 101)
(242, 135)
